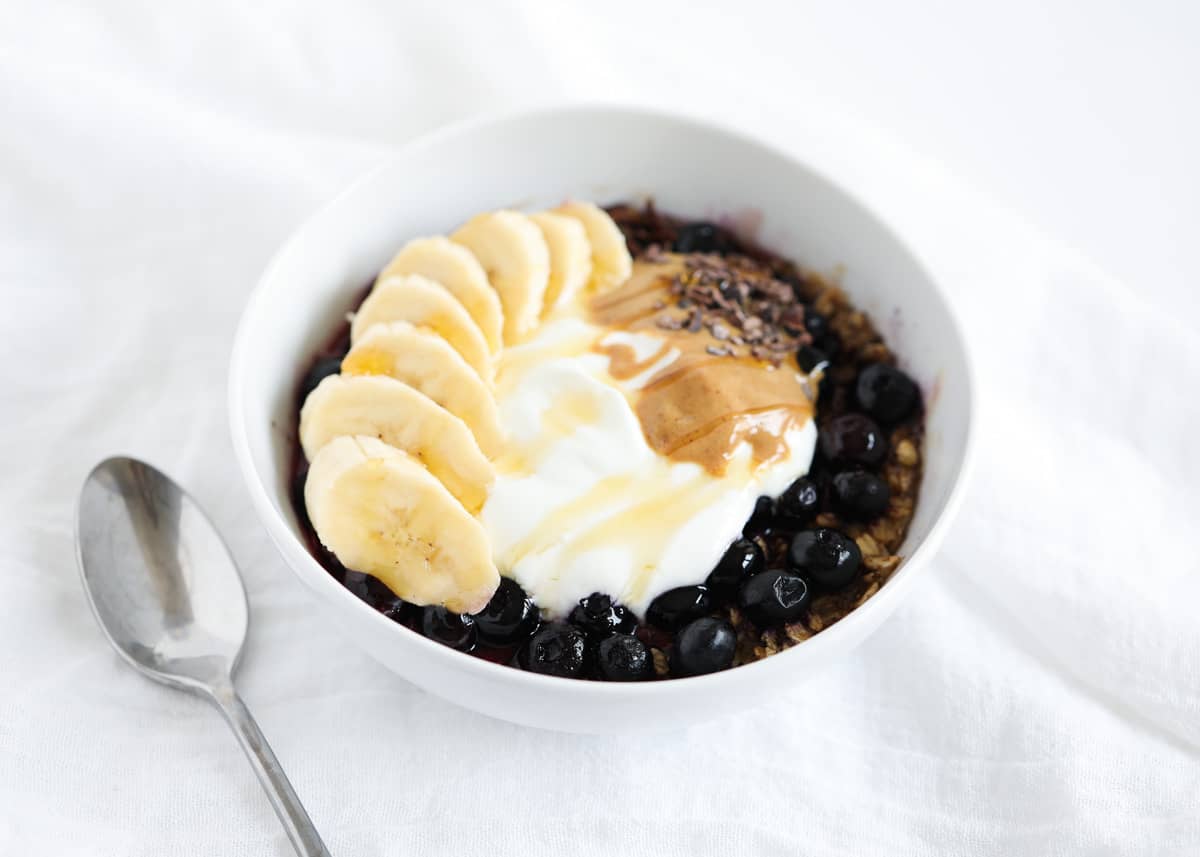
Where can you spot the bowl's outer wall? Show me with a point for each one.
(537, 160)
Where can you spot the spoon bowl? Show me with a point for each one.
(170, 599)
(161, 582)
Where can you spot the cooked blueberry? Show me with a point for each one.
(325, 556)
(743, 559)
(825, 556)
(886, 393)
(598, 616)
(798, 503)
(830, 344)
(816, 324)
(509, 617)
(555, 648)
(705, 646)
(826, 388)
(398, 610)
(623, 657)
(810, 357)
(320, 370)
(853, 439)
(297, 491)
(860, 494)
(370, 589)
(761, 518)
(456, 630)
(676, 607)
(775, 596)
(702, 237)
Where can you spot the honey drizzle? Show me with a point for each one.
(569, 412)
(646, 526)
(550, 529)
(516, 361)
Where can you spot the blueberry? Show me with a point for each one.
(322, 369)
(772, 597)
(886, 393)
(509, 617)
(398, 610)
(705, 646)
(853, 439)
(599, 616)
(860, 494)
(816, 324)
(623, 657)
(761, 518)
(676, 607)
(330, 562)
(810, 357)
(830, 344)
(297, 493)
(555, 648)
(702, 237)
(456, 630)
(797, 503)
(370, 589)
(825, 556)
(743, 559)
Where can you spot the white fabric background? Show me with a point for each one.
(1037, 695)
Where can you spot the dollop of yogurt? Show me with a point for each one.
(582, 503)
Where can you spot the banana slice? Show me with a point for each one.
(383, 407)
(514, 254)
(426, 362)
(570, 257)
(425, 303)
(456, 268)
(611, 262)
(382, 513)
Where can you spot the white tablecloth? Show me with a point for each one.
(1038, 694)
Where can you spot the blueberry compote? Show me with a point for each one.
(798, 565)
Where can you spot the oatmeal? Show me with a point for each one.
(608, 444)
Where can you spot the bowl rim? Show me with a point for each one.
(321, 584)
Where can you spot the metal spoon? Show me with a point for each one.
(169, 597)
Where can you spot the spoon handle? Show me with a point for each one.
(299, 826)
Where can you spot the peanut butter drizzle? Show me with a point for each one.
(698, 407)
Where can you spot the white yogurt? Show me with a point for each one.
(583, 504)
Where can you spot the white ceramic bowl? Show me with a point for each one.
(605, 154)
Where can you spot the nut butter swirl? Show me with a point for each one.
(707, 399)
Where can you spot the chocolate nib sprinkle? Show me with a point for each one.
(738, 299)
(745, 298)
